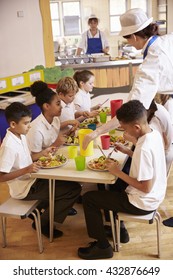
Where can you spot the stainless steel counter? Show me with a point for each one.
(111, 64)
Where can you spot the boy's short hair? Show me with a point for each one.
(66, 85)
(132, 111)
(16, 111)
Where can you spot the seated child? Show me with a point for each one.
(66, 90)
(167, 101)
(159, 119)
(146, 181)
(85, 81)
(45, 133)
(16, 165)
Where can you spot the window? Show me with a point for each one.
(139, 4)
(54, 10)
(71, 18)
(116, 9)
(162, 16)
(66, 18)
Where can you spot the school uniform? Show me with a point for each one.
(67, 112)
(169, 107)
(42, 134)
(148, 163)
(166, 127)
(83, 100)
(14, 155)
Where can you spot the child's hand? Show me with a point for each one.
(61, 139)
(86, 114)
(96, 107)
(34, 167)
(112, 167)
(74, 123)
(120, 147)
(93, 113)
(49, 150)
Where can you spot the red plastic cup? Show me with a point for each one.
(105, 141)
(115, 105)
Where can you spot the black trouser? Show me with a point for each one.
(116, 201)
(119, 185)
(66, 194)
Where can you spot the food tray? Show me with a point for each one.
(101, 58)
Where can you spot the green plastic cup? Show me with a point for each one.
(80, 163)
(103, 117)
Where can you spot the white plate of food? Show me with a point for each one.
(72, 141)
(52, 161)
(98, 164)
(88, 121)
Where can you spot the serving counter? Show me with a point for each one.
(111, 73)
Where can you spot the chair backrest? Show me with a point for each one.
(18, 208)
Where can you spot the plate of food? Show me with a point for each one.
(52, 161)
(72, 140)
(106, 109)
(88, 121)
(117, 139)
(98, 164)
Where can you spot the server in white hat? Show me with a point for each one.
(155, 74)
(93, 40)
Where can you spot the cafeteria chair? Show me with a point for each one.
(20, 209)
(149, 219)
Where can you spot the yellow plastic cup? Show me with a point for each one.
(72, 151)
(89, 150)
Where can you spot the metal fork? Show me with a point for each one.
(102, 151)
(109, 155)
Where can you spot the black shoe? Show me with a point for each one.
(124, 236)
(168, 222)
(93, 252)
(45, 231)
(72, 212)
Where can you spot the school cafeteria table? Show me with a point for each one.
(68, 172)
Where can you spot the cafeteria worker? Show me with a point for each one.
(155, 73)
(93, 40)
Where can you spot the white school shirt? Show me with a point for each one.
(165, 123)
(14, 155)
(169, 107)
(82, 99)
(164, 126)
(148, 163)
(42, 134)
(155, 74)
(83, 43)
(67, 112)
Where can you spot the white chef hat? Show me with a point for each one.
(133, 21)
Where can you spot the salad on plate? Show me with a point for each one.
(52, 160)
(99, 164)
